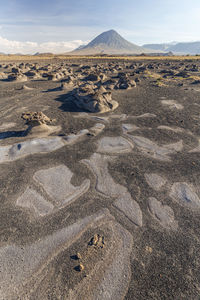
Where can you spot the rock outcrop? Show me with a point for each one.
(94, 100)
(37, 124)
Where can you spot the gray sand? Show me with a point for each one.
(127, 179)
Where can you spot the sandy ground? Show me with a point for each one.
(125, 197)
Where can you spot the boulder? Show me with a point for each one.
(92, 77)
(125, 83)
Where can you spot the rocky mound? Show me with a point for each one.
(35, 118)
(94, 100)
(37, 124)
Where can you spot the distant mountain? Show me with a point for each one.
(159, 47)
(80, 47)
(187, 48)
(109, 42)
(191, 48)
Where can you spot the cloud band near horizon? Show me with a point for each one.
(12, 46)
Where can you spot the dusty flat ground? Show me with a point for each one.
(108, 207)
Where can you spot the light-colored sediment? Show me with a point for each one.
(196, 149)
(19, 150)
(145, 115)
(130, 208)
(155, 181)
(35, 203)
(56, 182)
(114, 145)
(104, 182)
(111, 276)
(155, 151)
(96, 129)
(174, 129)
(172, 104)
(20, 264)
(44, 145)
(42, 130)
(108, 187)
(185, 195)
(163, 214)
(129, 128)
(7, 125)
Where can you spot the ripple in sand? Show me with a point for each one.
(145, 115)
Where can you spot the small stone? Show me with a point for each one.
(80, 268)
(149, 249)
(97, 240)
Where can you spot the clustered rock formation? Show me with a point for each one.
(92, 83)
(94, 100)
(35, 118)
(37, 124)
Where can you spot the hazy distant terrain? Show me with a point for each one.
(177, 48)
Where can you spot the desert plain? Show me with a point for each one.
(100, 178)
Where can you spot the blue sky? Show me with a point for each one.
(60, 25)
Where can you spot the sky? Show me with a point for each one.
(29, 26)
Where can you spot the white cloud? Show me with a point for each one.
(8, 46)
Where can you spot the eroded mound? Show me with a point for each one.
(94, 101)
(35, 118)
(37, 122)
